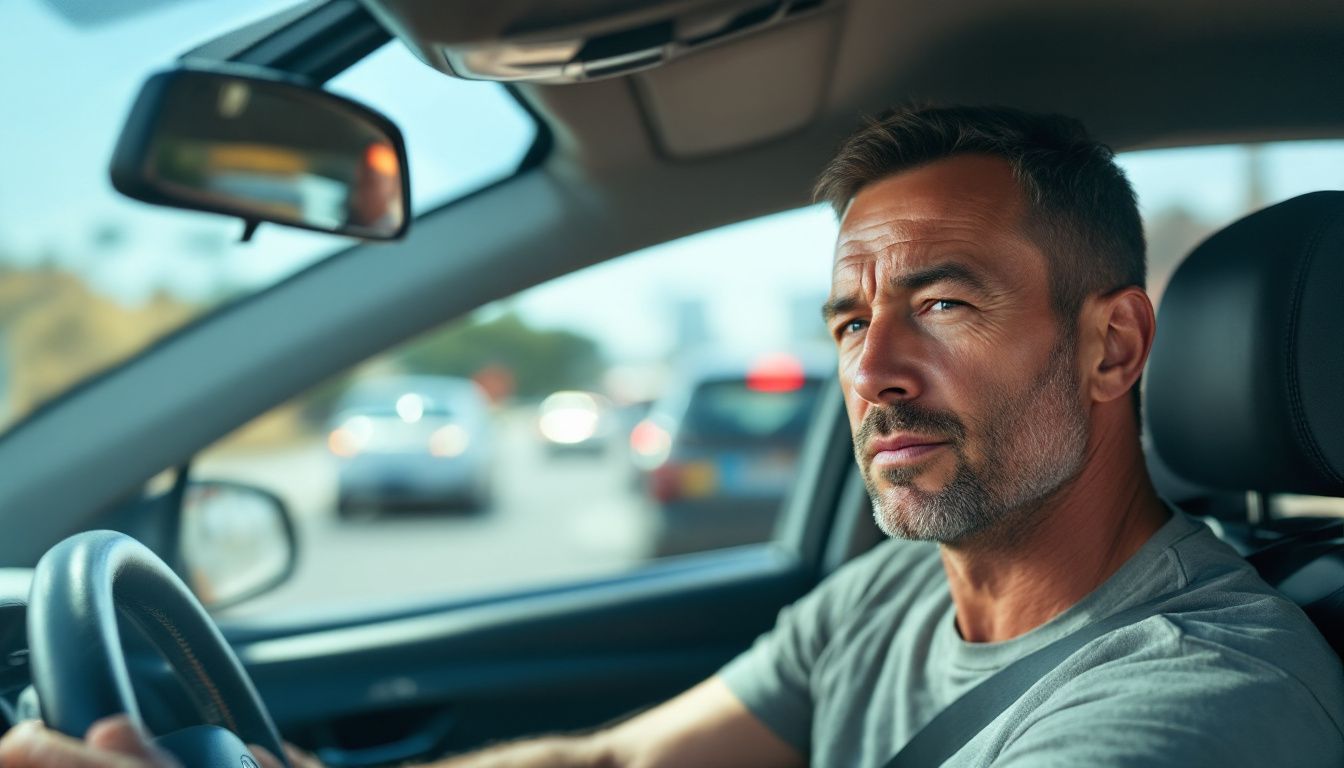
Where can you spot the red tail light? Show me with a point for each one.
(650, 440)
(665, 483)
(776, 373)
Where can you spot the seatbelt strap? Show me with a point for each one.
(951, 729)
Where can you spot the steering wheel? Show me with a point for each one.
(79, 669)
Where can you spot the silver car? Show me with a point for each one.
(412, 441)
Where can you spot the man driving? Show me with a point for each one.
(988, 307)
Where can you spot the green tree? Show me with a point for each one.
(540, 361)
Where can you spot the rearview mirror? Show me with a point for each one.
(264, 149)
(235, 542)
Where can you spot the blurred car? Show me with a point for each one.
(576, 422)
(419, 441)
(630, 417)
(719, 451)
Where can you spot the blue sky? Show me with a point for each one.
(67, 90)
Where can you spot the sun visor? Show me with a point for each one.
(731, 96)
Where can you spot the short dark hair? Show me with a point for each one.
(1081, 209)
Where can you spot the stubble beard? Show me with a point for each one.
(1034, 443)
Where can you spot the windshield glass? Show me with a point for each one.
(89, 278)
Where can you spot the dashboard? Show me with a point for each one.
(14, 678)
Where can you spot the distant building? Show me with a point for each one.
(1171, 233)
(691, 323)
(805, 324)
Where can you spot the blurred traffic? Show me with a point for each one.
(718, 449)
(412, 441)
(416, 478)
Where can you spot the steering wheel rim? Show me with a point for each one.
(76, 657)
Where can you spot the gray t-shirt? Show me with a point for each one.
(1233, 674)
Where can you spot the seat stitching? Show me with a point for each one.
(1298, 412)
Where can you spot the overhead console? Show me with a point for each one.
(573, 41)
(709, 76)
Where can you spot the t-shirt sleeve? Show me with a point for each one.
(773, 677)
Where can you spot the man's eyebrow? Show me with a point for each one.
(948, 271)
(838, 306)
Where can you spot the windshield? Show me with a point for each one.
(89, 278)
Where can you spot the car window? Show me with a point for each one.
(1187, 194)
(88, 278)
(643, 408)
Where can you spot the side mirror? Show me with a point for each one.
(263, 148)
(235, 542)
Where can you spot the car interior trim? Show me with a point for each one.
(316, 40)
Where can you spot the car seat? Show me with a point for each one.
(1245, 388)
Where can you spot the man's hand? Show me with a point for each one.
(110, 743)
(297, 757)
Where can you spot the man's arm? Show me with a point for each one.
(706, 726)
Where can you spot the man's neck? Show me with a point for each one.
(1076, 540)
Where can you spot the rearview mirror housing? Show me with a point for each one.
(253, 144)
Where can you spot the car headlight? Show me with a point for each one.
(351, 437)
(568, 418)
(449, 441)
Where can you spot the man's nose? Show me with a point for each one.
(887, 368)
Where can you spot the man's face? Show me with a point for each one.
(960, 382)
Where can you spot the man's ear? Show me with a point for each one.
(1121, 324)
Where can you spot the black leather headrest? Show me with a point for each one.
(1246, 379)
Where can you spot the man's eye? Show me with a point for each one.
(853, 326)
(945, 305)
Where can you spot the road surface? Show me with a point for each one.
(554, 518)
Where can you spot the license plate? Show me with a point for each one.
(699, 479)
(755, 474)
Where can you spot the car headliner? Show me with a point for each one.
(1137, 72)
(641, 159)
